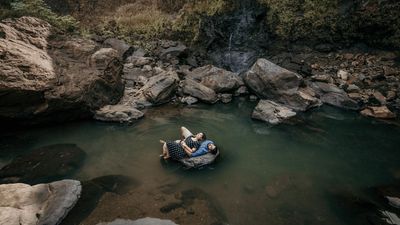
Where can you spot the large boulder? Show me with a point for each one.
(333, 95)
(58, 78)
(45, 204)
(199, 91)
(272, 112)
(143, 221)
(159, 89)
(270, 81)
(44, 164)
(217, 79)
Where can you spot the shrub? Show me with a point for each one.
(38, 8)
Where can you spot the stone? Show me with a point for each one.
(160, 88)
(226, 98)
(353, 88)
(45, 204)
(174, 52)
(189, 100)
(138, 61)
(270, 81)
(272, 112)
(44, 164)
(379, 98)
(124, 50)
(391, 95)
(242, 90)
(218, 79)
(118, 113)
(144, 221)
(61, 78)
(342, 74)
(381, 112)
(322, 78)
(253, 98)
(332, 95)
(199, 91)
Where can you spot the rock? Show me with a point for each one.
(377, 98)
(124, 50)
(342, 74)
(159, 89)
(45, 204)
(144, 221)
(174, 52)
(139, 52)
(189, 100)
(225, 98)
(322, 78)
(199, 91)
(44, 164)
(391, 95)
(271, 112)
(332, 95)
(61, 78)
(270, 81)
(353, 88)
(381, 112)
(242, 90)
(218, 79)
(118, 113)
(253, 98)
(138, 61)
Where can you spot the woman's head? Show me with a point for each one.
(212, 148)
(201, 136)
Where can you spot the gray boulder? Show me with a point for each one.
(173, 51)
(272, 112)
(218, 79)
(124, 49)
(159, 89)
(270, 81)
(333, 95)
(118, 113)
(199, 91)
(44, 204)
(61, 78)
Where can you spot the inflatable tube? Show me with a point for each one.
(199, 161)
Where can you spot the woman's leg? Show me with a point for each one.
(185, 132)
(165, 151)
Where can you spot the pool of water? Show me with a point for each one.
(265, 175)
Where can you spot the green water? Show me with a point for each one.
(266, 175)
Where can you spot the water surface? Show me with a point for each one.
(265, 175)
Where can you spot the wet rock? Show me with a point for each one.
(43, 164)
(226, 98)
(189, 100)
(271, 112)
(118, 113)
(38, 204)
(62, 78)
(217, 79)
(124, 50)
(144, 221)
(333, 95)
(377, 98)
(381, 112)
(270, 81)
(242, 90)
(199, 91)
(394, 201)
(353, 88)
(253, 98)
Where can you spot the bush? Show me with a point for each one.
(38, 8)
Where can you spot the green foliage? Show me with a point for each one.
(190, 18)
(38, 8)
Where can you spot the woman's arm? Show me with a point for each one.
(187, 148)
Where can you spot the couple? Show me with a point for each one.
(190, 146)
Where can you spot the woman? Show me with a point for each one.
(178, 149)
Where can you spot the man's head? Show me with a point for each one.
(201, 136)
